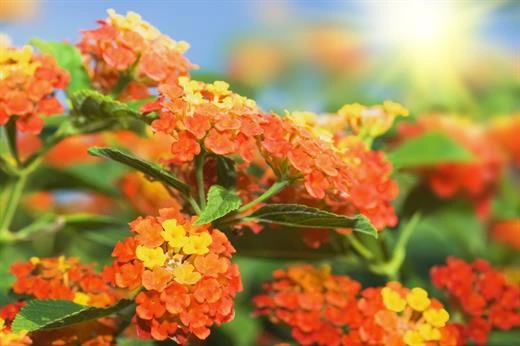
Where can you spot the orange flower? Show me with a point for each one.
(62, 278)
(324, 309)
(505, 131)
(129, 46)
(179, 266)
(476, 180)
(483, 295)
(507, 232)
(28, 82)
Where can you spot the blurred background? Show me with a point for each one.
(459, 55)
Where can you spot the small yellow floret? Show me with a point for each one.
(185, 274)
(174, 234)
(436, 317)
(198, 244)
(418, 299)
(392, 300)
(81, 298)
(150, 257)
(413, 338)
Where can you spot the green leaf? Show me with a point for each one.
(296, 215)
(91, 221)
(149, 168)
(220, 202)
(53, 314)
(90, 104)
(287, 243)
(430, 148)
(69, 58)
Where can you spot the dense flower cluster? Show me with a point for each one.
(315, 304)
(210, 117)
(505, 132)
(28, 83)
(129, 47)
(482, 294)
(186, 280)
(323, 309)
(7, 336)
(476, 180)
(62, 278)
(371, 189)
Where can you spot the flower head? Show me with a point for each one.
(62, 278)
(484, 296)
(187, 279)
(128, 45)
(28, 83)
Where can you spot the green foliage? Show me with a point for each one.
(295, 215)
(90, 104)
(148, 168)
(52, 314)
(69, 58)
(430, 148)
(220, 203)
(284, 242)
(226, 172)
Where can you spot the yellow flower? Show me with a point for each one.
(35, 260)
(198, 244)
(428, 332)
(392, 300)
(436, 317)
(413, 338)
(185, 274)
(150, 257)
(418, 299)
(2, 323)
(174, 234)
(395, 109)
(81, 298)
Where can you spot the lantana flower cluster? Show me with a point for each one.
(482, 294)
(129, 47)
(62, 278)
(28, 83)
(210, 117)
(183, 272)
(476, 180)
(7, 336)
(325, 309)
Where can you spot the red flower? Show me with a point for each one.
(482, 294)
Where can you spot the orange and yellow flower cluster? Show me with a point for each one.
(482, 294)
(62, 278)
(28, 83)
(183, 271)
(324, 309)
(130, 48)
(7, 336)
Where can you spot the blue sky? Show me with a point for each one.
(210, 26)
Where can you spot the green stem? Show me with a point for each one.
(199, 171)
(274, 189)
(12, 204)
(10, 130)
(359, 247)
